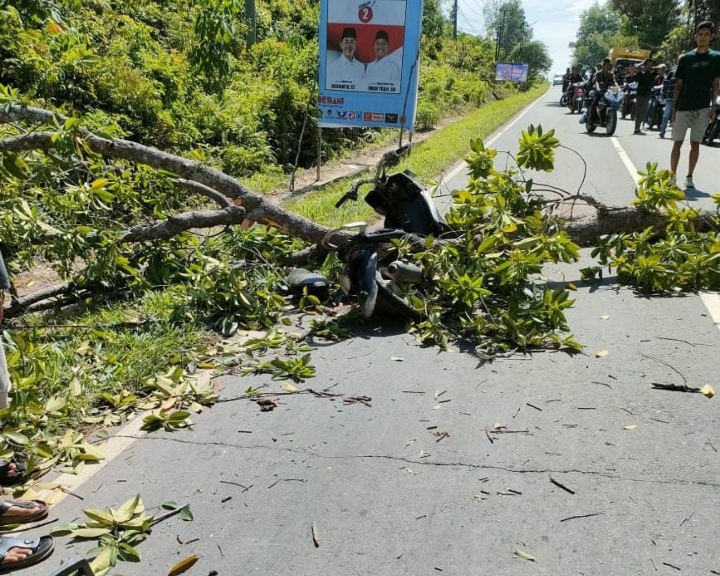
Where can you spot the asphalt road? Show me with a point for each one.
(419, 482)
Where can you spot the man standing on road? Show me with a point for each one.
(644, 76)
(697, 85)
(346, 72)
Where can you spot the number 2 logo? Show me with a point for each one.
(365, 13)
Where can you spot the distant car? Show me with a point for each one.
(558, 80)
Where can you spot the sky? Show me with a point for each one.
(554, 22)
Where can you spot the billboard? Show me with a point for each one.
(511, 72)
(369, 56)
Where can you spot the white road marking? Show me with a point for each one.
(710, 299)
(462, 166)
(115, 445)
(712, 303)
(625, 159)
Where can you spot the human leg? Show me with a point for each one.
(675, 155)
(641, 110)
(667, 113)
(17, 553)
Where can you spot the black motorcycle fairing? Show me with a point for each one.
(406, 205)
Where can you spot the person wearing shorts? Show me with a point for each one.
(696, 87)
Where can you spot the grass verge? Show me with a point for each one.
(428, 160)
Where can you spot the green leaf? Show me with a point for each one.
(186, 514)
(103, 516)
(64, 529)
(16, 437)
(127, 510)
(90, 532)
(169, 505)
(524, 555)
(105, 560)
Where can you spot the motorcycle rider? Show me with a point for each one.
(644, 75)
(652, 102)
(601, 81)
(574, 77)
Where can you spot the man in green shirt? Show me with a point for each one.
(697, 86)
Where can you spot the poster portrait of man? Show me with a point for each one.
(346, 72)
(382, 74)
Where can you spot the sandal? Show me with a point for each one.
(9, 519)
(19, 476)
(41, 548)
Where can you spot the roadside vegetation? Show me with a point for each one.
(126, 326)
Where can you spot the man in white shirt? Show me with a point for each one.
(382, 74)
(346, 72)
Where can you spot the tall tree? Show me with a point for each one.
(536, 55)
(599, 27)
(650, 20)
(509, 19)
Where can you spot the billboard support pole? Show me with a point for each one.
(319, 154)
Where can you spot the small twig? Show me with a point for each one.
(603, 383)
(488, 436)
(684, 341)
(313, 531)
(533, 406)
(686, 519)
(431, 427)
(225, 499)
(168, 515)
(674, 387)
(413, 392)
(658, 420)
(421, 517)
(711, 445)
(504, 431)
(443, 435)
(516, 412)
(515, 491)
(672, 566)
(561, 485)
(582, 516)
(668, 365)
(586, 408)
(286, 480)
(71, 493)
(29, 527)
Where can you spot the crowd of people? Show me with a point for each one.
(689, 90)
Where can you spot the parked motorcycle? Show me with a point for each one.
(656, 102)
(629, 100)
(712, 132)
(372, 271)
(606, 111)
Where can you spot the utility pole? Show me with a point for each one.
(499, 32)
(251, 19)
(455, 18)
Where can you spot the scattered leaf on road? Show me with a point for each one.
(601, 354)
(183, 565)
(524, 555)
(707, 390)
(629, 427)
(499, 426)
(571, 286)
(605, 317)
(397, 359)
(289, 387)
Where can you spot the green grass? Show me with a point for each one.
(428, 160)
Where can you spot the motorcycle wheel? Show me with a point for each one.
(611, 123)
(389, 302)
(563, 100)
(712, 132)
(590, 127)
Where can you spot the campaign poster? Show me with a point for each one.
(511, 72)
(369, 57)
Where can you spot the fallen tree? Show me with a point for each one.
(34, 157)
